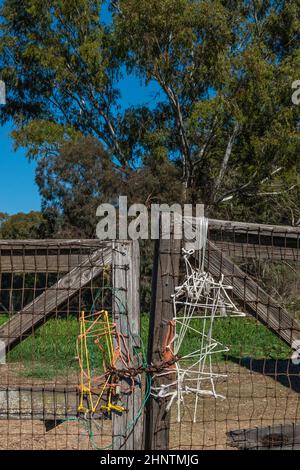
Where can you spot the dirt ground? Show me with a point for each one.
(258, 393)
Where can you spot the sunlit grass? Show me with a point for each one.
(52, 348)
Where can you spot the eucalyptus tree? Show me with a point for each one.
(221, 130)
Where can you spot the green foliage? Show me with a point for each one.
(219, 69)
(221, 130)
(3, 218)
(222, 126)
(62, 86)
(75, 182)
(21, 226)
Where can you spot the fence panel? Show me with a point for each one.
(237, 378)
(59, 309)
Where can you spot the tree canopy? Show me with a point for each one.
(222, 129)
(21, 226)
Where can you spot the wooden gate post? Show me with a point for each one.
(127, 432)
(164, 280)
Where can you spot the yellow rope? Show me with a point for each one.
(84, 362)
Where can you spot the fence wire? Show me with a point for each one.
(261, 382)
(44, 288)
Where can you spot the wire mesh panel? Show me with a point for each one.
(237, 366)
(223, 358)
(59, 305)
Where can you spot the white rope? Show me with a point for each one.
(199, 299)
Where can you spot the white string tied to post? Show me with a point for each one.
(197, 302)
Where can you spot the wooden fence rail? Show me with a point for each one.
(251, 296)
(36, 312)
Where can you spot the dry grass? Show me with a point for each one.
(253, 399)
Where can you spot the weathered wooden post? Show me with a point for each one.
(127, 426)
(164, 280)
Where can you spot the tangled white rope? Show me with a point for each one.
(197, 303)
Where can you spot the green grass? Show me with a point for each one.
(244, 337)
(52, 349)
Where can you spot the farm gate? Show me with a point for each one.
(76, 373)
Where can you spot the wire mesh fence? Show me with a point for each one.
(59, 301)
(254, 375)
(222, 367)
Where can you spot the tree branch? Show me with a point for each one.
(225, 161)
(207, 142)
(180, 124)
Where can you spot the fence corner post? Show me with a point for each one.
(127, 426)
(164, 280)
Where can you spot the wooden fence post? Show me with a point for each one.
(127, 426)
(164, 280)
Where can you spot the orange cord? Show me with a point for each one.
(168, 346)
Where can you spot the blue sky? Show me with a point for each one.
(18, 192)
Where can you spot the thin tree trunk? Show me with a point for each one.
(225, 161)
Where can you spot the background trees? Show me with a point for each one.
(22, 226)
(222, 129)
(225, 70)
